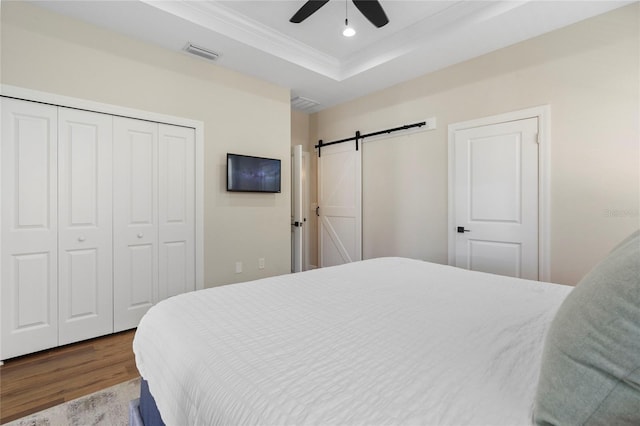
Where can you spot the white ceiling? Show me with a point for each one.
(312, 58)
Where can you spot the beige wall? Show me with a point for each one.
(300, 130)
(51, 53)
(589, 75)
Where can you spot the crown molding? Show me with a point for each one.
(225, 21)
(222, 20)
(427, 35)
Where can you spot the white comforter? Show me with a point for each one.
(384, 341)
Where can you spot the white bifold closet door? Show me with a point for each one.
(29, 266)
(97, 222)
(176, 199)
(84, 225)
(154, 216)
(135, 220)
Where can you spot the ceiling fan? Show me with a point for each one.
(371, 9)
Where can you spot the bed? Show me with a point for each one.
(397, 341)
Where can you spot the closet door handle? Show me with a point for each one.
(140, 235)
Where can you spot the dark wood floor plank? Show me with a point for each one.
(35, 382)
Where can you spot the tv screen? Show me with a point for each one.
(252, 174)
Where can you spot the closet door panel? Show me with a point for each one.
(176, 210)
(141, 258)
(28, 228)
(85, 224)
(135, 220)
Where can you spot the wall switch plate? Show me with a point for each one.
(238, 267)
(261, 263)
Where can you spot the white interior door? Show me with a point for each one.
(176, 201)
(297, 221)
(496, 198)
(28, 232)
(135, 218)
(306, 185)
(84, 223)
(340, 204)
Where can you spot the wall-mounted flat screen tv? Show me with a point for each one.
(252, 174)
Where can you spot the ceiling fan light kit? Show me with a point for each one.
(348, 31)
(371, 9)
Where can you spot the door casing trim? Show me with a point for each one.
(543, 114)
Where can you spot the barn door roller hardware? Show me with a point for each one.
(358, 136)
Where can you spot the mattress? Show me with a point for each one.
(382, 341)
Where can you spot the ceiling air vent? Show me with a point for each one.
(304, 104)
(201, 51)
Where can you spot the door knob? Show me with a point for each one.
(462, 230)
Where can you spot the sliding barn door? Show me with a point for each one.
(340, 204)
(84, 225)
(29, 222)
(135, 220)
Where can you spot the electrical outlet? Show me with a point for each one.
(261, 263)
(238, 267)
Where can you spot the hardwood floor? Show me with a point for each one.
(32, 383)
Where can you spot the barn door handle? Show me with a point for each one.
(462, 230)
(318, 211)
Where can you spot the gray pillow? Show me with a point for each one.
(590, 371)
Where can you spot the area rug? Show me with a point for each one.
(109, 406)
